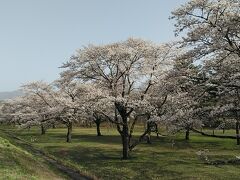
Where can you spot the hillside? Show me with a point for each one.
(16, 163)
(10, 94)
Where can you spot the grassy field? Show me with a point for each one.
(165, 158)
(16, 163)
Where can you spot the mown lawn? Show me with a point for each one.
(166, 158)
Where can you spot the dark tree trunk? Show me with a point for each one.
(43, 130)
(98, 129)
(213, 132)
(125, 140)
(187, 134)
(69, 132)
(223, 130)
(237, 133)
(237, 116)
(124, 132)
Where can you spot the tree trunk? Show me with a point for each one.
(43, 130)
(124, 132)
(237, 117)
(69, 133)
(237, 133)
(187, 134)
(125, 140)
(98, 129)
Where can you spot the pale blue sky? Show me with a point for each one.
(37, 36)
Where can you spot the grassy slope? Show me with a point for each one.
(161, 160)
(16, 163)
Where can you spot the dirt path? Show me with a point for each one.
(70, 172)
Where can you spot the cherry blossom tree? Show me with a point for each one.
(98, 109)
(212, 38)
(26, 111)
(184, 97)
(35, 107)
(126, 70)
(70, 93)
(44, 104)
(86, 101)
(211, 26)
(225, 77)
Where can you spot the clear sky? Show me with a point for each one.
(37, 36)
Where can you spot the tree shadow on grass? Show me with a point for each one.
(107, 139)
(102, 161)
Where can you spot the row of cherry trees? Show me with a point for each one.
(184, 85)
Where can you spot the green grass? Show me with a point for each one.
(16, 163)
(100, 156)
